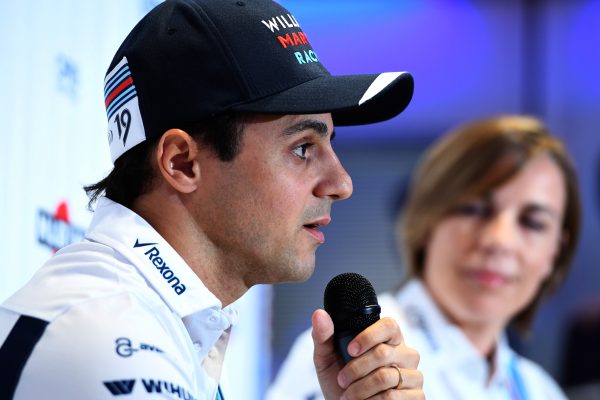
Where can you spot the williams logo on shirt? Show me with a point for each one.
(153, 255)
(166, 389)
(118, 388)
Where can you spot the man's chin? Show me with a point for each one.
(299, 273)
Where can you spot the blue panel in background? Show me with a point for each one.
(465, 58)
(584, 65)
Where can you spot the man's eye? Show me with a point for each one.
(300, 151)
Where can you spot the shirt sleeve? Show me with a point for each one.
(106, 347)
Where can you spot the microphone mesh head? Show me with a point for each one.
(346, 295)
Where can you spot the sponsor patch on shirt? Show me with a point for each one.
(163, 388)
(153, 255)
(125, 348)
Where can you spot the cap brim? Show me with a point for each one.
(352, 99)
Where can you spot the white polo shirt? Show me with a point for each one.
(451, 366)
(118, 315)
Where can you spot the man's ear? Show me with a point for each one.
(176, 158)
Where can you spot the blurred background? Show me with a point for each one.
(469, 58)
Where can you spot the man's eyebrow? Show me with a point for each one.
(308, 124)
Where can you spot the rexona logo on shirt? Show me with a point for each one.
(172, 390)
(153, 255)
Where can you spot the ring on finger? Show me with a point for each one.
(400, 380)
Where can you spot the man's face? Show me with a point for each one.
(262, 211)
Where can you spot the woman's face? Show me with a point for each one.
(486, 260)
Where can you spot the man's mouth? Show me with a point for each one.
(313, 229)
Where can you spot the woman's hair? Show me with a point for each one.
(133, 174)
(472, 161)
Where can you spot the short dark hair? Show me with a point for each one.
(133, 175)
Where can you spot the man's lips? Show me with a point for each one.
(313, 228)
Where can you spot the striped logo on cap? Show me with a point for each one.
(125, 126)
(118, 90)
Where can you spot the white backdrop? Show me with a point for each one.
(53, 57)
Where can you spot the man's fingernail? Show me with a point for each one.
(342, 381)
(353, 349)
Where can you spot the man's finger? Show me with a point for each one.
(386, 330)
(385, 379)
(380, 355)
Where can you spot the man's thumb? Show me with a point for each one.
(322, 334)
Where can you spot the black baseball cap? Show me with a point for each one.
(189, 60)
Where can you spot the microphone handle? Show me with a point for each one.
(342, 339)
(341, 344)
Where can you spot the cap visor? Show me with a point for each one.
(352, 99)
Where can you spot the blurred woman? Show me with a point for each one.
(488, 232)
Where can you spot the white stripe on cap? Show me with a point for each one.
(125, 125)
(378, 85)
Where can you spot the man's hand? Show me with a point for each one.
(382, 367)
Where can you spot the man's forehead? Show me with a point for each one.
(290, 124)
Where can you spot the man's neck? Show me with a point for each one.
(218, 275)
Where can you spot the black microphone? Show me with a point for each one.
(351, 302)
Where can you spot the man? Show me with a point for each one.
(220, 126)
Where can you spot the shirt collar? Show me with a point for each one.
(167, 273)
(445, 338)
